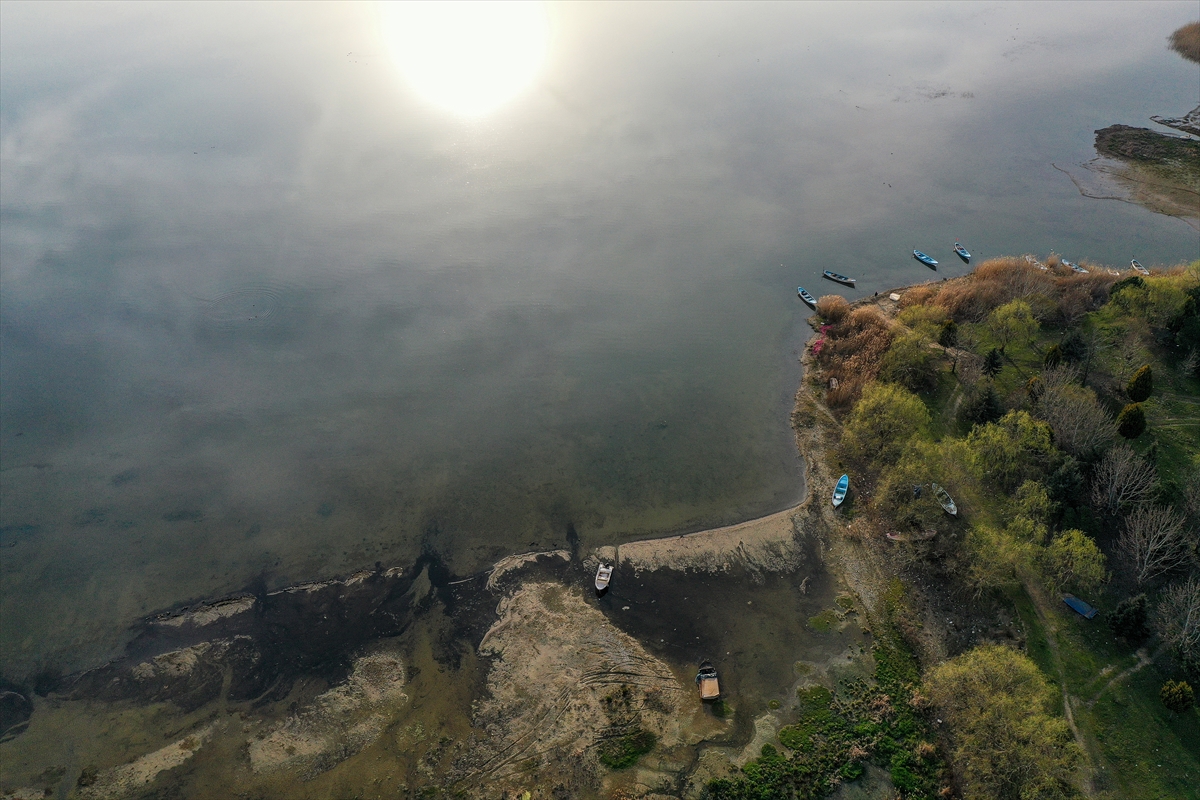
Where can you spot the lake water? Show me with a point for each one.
(269, 317)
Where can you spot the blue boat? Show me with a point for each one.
(839, 491)
(833, 276)
(806, 297)
(1080, 607)
(962, 252)
(924, 259)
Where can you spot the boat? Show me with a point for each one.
(839, 491)
(1138, 266)
(1033, 262)
(1079, 607)
(924, 259)
(1114, 272)
(962, 251)
(706, 679)
(1075, 267)
(896, 536)
(603, 576)
(833, 276)
(806, 297)
(943, 497)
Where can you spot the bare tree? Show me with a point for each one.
(1179, 621)
(1191, 497)
(1123, 478)
(1154, 541)
(1081, 425)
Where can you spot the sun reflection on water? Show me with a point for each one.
(466, 57)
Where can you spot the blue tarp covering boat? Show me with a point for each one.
(1080, 607)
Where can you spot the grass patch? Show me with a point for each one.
(620, 752)
(824, 622)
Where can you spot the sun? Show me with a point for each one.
(465, 56)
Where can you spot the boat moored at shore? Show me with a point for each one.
(962, 252)
(833, 276)
(806, 297)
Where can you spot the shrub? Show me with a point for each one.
(832, 308)
(1053, 357)
(917, 296)
(1140, 385)
(865, 317)
(1177, 696)
(1131, 422)
(619, 752)
(1130, 619)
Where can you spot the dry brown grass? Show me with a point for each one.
(832, 308)
(1057, 295)
(1186, 41)
(918, 296)
(851, 351)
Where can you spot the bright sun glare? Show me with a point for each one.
(466, 56)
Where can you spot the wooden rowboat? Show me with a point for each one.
(924, 259)
(944, 499)
(962, 251)
(806, 297)
(833, 276)
(839, 491)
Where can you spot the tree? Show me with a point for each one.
(1015, 449)
(1140, 385)
(910, 363)
(1131, 422)
(1154, 541)
(1081, 425)
(1033, 501)
(1053, 357)
(992, 363)
(1179, 622)
(1073, 561)
(948, 334)
(1007, 740)
(1122, 479)
(884, 418)
(1012, 322)
(1178, 696)
(982, 406)
(1129, 619)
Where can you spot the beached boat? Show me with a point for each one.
(924, 259)
(839, 491)
(806, 297)
(1079, 607)
(603, 576)
(1033, 262)
(833, 276)
(706, 679)
(943, 497)
(1114, 272)
(962, 251)
(1075, 267)
(1138, 266)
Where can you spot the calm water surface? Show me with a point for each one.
(269, 316)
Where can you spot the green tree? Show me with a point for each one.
(1177, 696)
(1015, 449)
(1012, 322)
(1140, 385)
(948, 335)
(992, 363)
(982, 406)
(1007, 739)
(910, 363)
(1032, 500)
(1129, 619)
(1073, 561)
(1131, 422)
(1053, 357)
(884, 418)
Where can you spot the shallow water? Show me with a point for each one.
(267, 317)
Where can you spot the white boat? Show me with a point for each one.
(1033, 262)
(947, 502)
(839, 491)
(603, 576)
(1075, 267)
(1138, 266)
